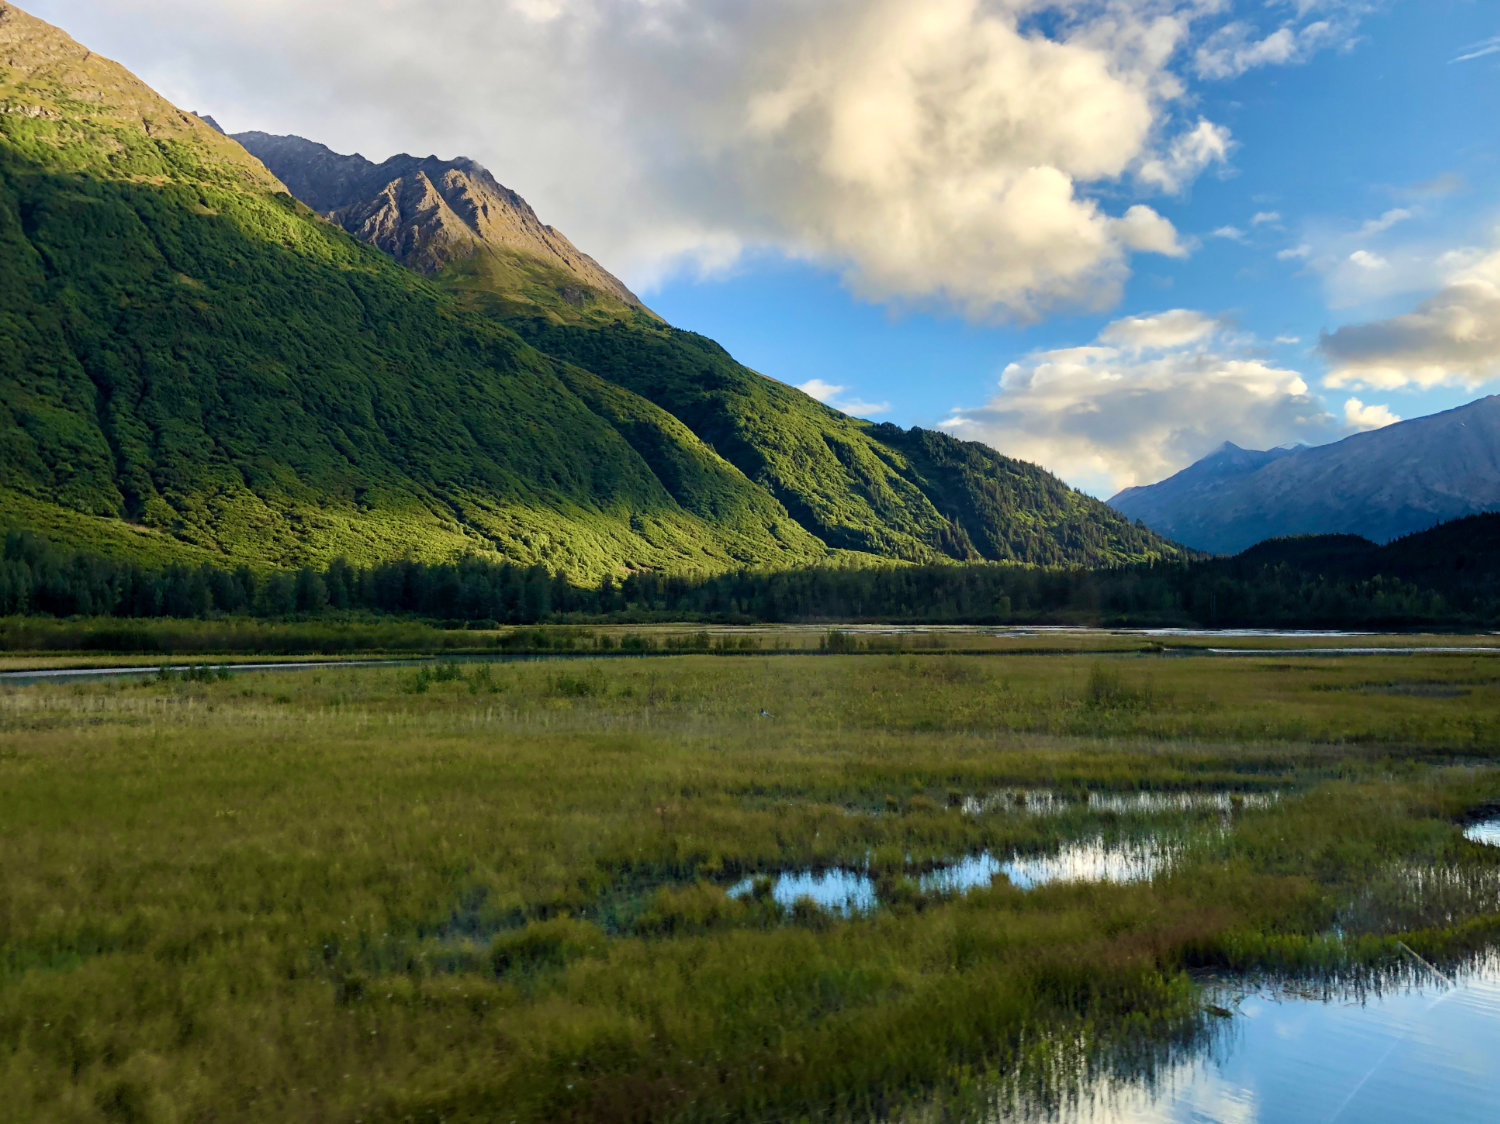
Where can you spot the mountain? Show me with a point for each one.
(193, 365)
(870, 489)
(1379, 485)
(196, 366)
(432, 215)
(911, 494)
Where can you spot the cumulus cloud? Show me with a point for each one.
(836, 396)
(1451, 338)
(1295, 253)
(1359, 417)
(1177, 328)
(955, 152)
(1263, 218)
(1151, 395)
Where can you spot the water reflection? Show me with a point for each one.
(1485, 831)
(850, 891)
(1422, 1049)
(1091, 861)
(838, 889)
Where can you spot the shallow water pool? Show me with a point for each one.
(849, 891)
(1424, 1053)
(1486, 831)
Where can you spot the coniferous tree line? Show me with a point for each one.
(1270, 586)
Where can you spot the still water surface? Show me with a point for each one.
(1426, 1052)
(850, 891)
(1486, 831)
(1423, 1049)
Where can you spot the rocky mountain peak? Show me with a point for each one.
(427, 212)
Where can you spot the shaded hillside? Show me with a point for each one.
(1380, 485)
(1196, 490)
(1463, 550)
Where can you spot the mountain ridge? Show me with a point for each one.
(1382, 485)
(430, 213)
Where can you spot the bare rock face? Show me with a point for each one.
(425, 212)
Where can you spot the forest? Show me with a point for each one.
(1439, 578)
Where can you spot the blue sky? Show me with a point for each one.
(1387, 124)
(1104, 235)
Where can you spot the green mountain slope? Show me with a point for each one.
(190, 352)
(194, 365)
(913, 494)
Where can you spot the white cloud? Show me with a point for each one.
(942, 152)
(1230, 233)
(1177, 328)
(1187, 156)
(1296, 253)
(1364, 262)
(831, 395)
(1262, 218)
(1367, 260)
(1240, 46)
(1358, 416)
(1452, 338)
(822, 391)
(1385, 222)
(1482, 49)
(1144, 230)
(1151, 395)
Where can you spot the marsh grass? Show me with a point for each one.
(323, 895)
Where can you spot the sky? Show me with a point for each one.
(1102, 235)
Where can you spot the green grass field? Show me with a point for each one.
(498, 892)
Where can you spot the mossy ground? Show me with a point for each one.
(483, 893)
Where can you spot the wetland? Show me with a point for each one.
(877, 886)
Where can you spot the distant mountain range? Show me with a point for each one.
(1379, 485)
(203, 359)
